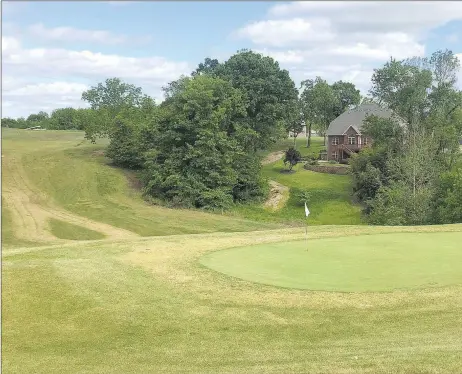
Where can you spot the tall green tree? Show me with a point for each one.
(113, 95)
(347, 96)
(269, 92)
(320, 105)
(200, 146)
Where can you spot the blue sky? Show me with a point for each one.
(52, 51)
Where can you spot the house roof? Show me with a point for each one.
(355, 117)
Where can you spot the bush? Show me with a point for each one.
(302, 196)
(292, 157)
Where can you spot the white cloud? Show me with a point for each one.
(70, 34)
(57, 70)
(346, 39)
(280, 33)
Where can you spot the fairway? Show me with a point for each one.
(362, 263)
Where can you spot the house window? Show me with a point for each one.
(335, 155)
(352, 140)
(335, 141)
(365, 140)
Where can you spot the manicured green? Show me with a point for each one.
(66, 230)
(383, 262)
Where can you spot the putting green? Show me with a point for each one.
(364, 263)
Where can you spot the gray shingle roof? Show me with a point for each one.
(355, 117)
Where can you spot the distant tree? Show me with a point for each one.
(347, 96)
(207, 67)
(64, 119)
(113, 95)
(320, 105)
(9, 122)
(295, 121)
(37, 118)
(292, 157)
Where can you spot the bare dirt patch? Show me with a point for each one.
(279, 194)
(272, 157)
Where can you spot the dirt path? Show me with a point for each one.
(31, 209)
(272, 157)
(279, 194)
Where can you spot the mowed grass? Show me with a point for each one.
(148, 306)
(330, 202)
(66, 230)
(77, 177)
(385, 262)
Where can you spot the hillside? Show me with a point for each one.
(58, 175)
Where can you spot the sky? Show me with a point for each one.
(53, 51)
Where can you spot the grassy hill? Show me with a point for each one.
(60, 175)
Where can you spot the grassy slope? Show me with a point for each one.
(66, 230)
(331, 195)
(71, 172)
(85, 308)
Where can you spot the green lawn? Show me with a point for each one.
(384, 262)
(330, 203)
(147, 306)
(317, 144)
(66, 230)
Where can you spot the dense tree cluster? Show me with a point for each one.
(412, 173)
(199, 147)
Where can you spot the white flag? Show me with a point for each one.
(306, 210)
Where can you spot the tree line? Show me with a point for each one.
(412, 174)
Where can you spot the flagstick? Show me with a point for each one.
(306, 234)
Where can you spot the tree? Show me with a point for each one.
(320, 105)
(113, 95)
(199, 150)
(269, 93)
(416, 181)
(347, 96)
(207, 67)
(9, 122)
(295, 122)
(292, 157)
(37, 118)
(64, 119)
(125, 147)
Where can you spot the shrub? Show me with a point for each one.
(292, 157)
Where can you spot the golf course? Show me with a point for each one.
(97, 280)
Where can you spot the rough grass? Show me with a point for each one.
(355, 264)
(148, 306)
(66, 230)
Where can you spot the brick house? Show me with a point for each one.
(344, 133)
